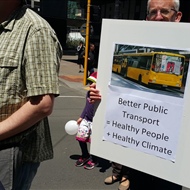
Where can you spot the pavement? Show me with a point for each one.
(60, 173)
(69, 73)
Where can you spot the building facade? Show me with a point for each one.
(67, 16)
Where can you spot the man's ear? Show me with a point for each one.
(178, 16)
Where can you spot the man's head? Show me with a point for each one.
(163, 10)
(92, 47)
(7, 7)
(81, 43)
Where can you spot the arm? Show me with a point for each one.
(78, 48)
(88, 110)
(84, 110)
(29, 114)
(79, 120)
(91, 57)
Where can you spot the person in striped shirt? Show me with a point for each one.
(30, 55)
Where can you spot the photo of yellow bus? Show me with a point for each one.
(151, 68)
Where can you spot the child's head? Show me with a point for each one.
(92, 78)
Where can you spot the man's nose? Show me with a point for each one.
(159, 16)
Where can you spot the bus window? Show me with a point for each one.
(157, 63)
(145, 62)
(135, 63)
(148, 63)
(130, 61)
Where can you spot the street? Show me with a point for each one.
(118, 80)
(61, 173)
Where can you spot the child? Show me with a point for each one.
(84, 131)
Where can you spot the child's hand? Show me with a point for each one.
(94, 93)
(79, 121)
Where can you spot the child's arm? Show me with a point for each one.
(79, 120)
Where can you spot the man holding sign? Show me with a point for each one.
(157, 10)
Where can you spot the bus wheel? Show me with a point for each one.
(140, 79)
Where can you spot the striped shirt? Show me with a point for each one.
(29, 62)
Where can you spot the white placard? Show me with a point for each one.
(173, 167)
(143, 121)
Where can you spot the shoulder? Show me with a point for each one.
(35, 19)
(33, 30)
(38, 26)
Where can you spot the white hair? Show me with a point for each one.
(176, 4)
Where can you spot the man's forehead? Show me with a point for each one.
(161, 3)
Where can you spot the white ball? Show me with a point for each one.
(71, 127)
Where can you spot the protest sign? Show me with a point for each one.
(136, 124)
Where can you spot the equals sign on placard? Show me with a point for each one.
(108, 122)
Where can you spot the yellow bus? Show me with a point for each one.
(156, 68)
